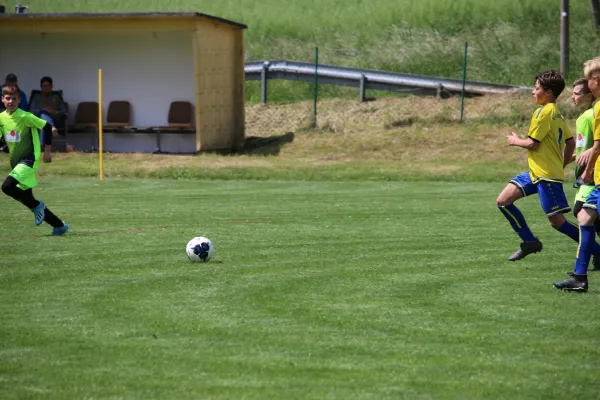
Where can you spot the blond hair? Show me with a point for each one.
(591, 67)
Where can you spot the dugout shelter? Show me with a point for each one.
(149, 60)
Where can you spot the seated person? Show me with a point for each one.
(48, 105)
(11, 79)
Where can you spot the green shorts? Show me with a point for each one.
(583, 192)
(25, 175)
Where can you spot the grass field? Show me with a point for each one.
(510, 41)
(317, 290)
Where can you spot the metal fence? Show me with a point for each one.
(368, 79)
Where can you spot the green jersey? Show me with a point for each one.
(20, 131)
(584, 137)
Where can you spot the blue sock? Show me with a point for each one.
(517, 221)
(572, 231)
(584, 252)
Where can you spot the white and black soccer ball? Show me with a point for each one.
(199, 249)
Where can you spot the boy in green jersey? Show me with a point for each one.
(19, 130)
(584, 139)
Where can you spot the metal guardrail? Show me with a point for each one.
(368, 79)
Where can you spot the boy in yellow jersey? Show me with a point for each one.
(577, 280)
(19, 129)
(549, 147)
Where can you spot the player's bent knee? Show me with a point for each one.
(557, 221)
(503, 202)
(587, 216)
(556, 225)
(9, 188)
(508, 196)
(6, 189)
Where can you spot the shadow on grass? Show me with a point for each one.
(259, 146)
(266, 146)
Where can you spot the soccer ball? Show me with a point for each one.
(199, 249)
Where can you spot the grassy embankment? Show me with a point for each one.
(509, 40)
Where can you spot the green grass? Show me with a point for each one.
(510, 41)
(411, 139)
(317, 290)
(207, 167)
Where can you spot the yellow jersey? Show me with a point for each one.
(548, 127)
(596, 133)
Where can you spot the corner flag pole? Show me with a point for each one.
(100, 123)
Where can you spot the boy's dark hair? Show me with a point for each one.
(10, 78)
(10, 89)
(46, 79)
(552, 80)
(584, 82)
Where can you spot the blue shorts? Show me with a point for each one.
(592, 200)
(552, 196)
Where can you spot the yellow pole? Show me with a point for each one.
(100, 123)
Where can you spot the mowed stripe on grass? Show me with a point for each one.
(316, 290)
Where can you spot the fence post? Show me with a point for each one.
(564, 37)
(439, 91)
(316, 86)
(464, 79)
(263, 82)
(363, 88)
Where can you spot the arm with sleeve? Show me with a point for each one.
(540, 126)
(48, 134)
(38, 123)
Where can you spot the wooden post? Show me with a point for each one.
(564, 37)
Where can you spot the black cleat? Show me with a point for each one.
(574, 283)
(526, 249)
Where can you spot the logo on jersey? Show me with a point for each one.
(581, 142)
(12, 137)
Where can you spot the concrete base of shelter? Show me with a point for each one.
(177, 142)
(128, 142)
(180, 142)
